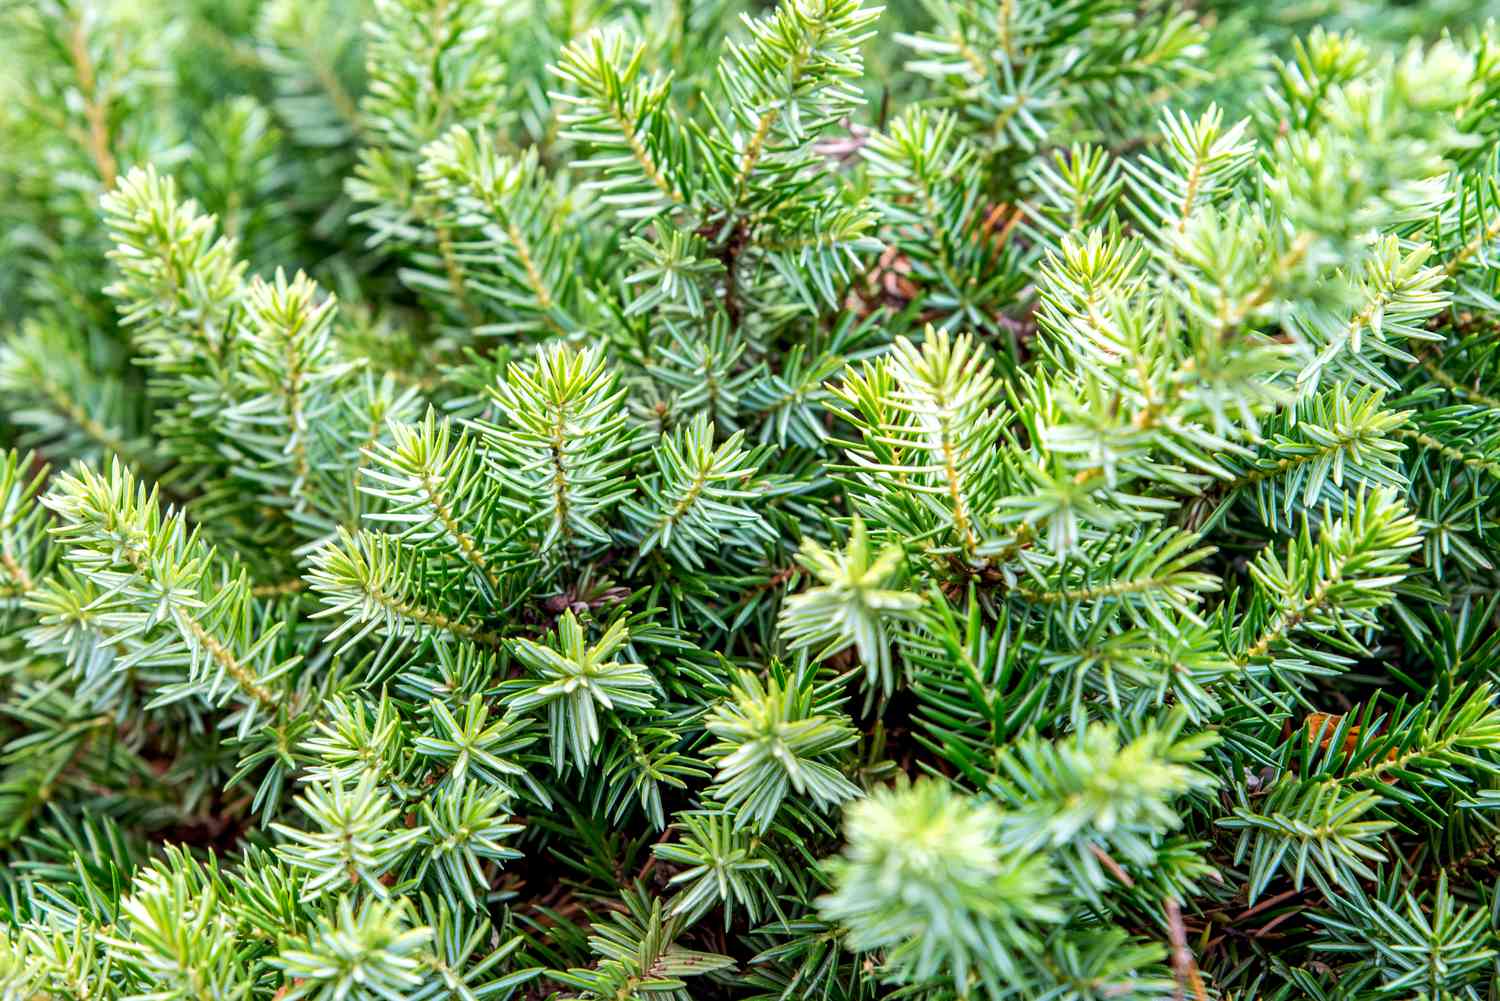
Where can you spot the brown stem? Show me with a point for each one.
(95, 111)
(16, 573)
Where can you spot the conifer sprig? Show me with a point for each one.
(611, 501)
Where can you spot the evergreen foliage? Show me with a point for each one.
(749, 499)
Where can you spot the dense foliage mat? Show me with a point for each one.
(648, 499)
